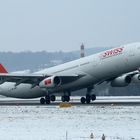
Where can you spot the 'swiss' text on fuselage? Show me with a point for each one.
(111, 53)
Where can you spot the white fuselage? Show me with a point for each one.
(96, 68)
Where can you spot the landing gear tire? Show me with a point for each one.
(65, 98)
(88, 99)
(93, 97)
(52, 98)
(83, 100)
(47, 99)
(42, 101)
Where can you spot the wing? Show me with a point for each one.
(34, 79)
(18, 78)
(123, 80)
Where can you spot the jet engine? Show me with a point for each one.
(136, 78)
(50, 82)
(121, 81)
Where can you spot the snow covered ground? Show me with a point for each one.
(52, 122)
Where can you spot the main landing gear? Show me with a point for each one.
(47, 99)
(66, 97)
(51, 98)
(89, 97)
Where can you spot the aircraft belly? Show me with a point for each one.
(22, 91)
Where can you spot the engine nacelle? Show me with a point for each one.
(136, 78)
(121, 81)
(50, 82)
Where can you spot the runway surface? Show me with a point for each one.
(125, 100)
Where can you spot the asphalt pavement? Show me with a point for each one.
(132, 100)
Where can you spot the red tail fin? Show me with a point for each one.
(2, 69)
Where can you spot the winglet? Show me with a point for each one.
(2, 69)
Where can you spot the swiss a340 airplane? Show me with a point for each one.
(118, 66)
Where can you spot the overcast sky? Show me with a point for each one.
(54, 25)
